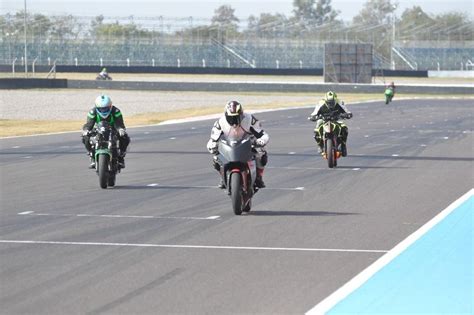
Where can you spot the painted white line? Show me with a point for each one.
(292, 249)
(299, 188)
(395, 155)
(16, 147)
(445, 138)
(291, 153)
(26, 157)
(152, 185)
(173, 138)
(356, 169)
(422, 145)
(116, 216)
(366, 274)
(366, 136)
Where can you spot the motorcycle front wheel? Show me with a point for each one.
(103, 168)
(236, 192)
(331, 156)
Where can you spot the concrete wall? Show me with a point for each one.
(451, 74)
(231, 87)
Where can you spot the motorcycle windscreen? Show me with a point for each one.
(236, 146)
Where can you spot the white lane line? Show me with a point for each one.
(26, 157)
(26, 212)
(445, 138)
(291, 153)
(395, 155)
(367, 273)
(356, 169)
(293, 249)
(152, 185)
(85, 215)
(16, 147)
(173, 138)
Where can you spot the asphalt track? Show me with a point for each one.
(165, 239)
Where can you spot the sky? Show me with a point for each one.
(205, 9)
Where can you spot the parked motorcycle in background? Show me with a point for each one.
(238, 168)
(104, 140)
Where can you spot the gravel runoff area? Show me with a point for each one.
(73, 104)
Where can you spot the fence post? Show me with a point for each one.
(128, 62)
(439, 68)
(76, 61)
(13, 66)
(179, 63)
(101, 62)
(49, 61)
(152, 62)
(301, 64)
(228, 63)
(253, 62)
(33, 65)
(278, 64)
(204, 63)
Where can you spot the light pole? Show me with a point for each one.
(26, 60)
(392, 61)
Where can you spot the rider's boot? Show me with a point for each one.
(259, 180)
(121, 160)
(92, 164)
(343, 148)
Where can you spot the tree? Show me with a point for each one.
(413, 23)
(310, 13)
(267, 24)
(375, 12)
(224, 17)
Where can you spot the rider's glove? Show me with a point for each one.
(122, 132)
(260, 142)
(85, 133)
(212, 147)
(349, 115)
(312, 118)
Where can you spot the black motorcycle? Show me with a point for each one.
(238, 169)
(104, 139)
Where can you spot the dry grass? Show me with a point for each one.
(10, 128)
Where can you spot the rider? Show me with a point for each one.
(234, 116)
(392, 87)
(104, 110)
(329, 104)
(104, 74)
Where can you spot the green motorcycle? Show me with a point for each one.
(105, 141)
(388, 95)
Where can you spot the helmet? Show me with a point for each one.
(103, 106)
(104, 69)
(233, 112)
(331, 99)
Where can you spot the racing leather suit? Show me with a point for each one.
(115, 119)
(323, 108)
(250, 125)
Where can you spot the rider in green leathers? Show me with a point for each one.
(104, 110)
(330, 104)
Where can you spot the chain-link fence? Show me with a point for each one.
(192, 42)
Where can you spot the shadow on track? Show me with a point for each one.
(298, 213)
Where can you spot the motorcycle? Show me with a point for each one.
(105, 78)
(330, 131)
(388, 95)
(104, 139)
(238, 168)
